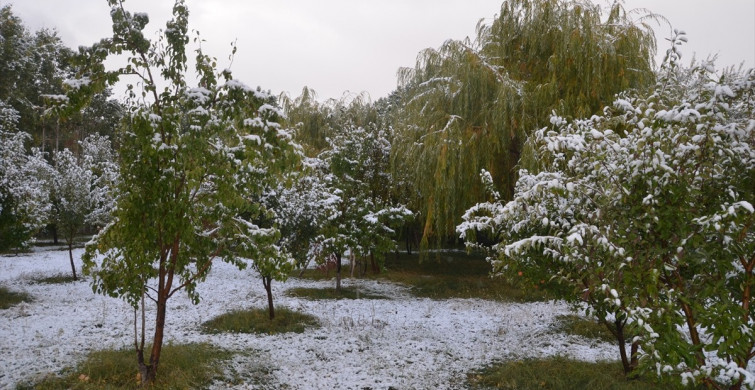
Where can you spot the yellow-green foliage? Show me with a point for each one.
(470, 105)
(317, 121)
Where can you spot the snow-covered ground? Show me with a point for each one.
(403, 342)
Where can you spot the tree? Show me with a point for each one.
(70, 186)
(193, 163)
(357, 166)
(98, 158)
(33, 66)
(471, 105)
(300, 206)
(646, 212)
(81, 189)
(23, 195)
(315, 122)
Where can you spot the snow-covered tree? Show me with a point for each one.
(193, 163)
(81, 189)
(300, 206)
(23, 195)
(33, 65)
(70, 186)
(646, 212)
(357, 172)
(98, 158)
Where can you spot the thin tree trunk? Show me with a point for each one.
(70, 256)
(375, 265)
(57, 135)
(338, 273)
(55, 234)
(267, 282)
(352, 258)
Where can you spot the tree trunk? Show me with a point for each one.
(338, 272)
(267, 282)
(149, 371)
(57, 135)
(628, 362)
(408, 243)
(54, 234)
(353, 259)
(375, 265)
(70, 256)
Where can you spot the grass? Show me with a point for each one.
(331, 293)
(56, 279)
(558, 373)
(591, 329)
(445, 275)
(185, 366)
(456, 275)
(10, 298)
(258, 321)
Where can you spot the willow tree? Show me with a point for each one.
(316, 122)
(471, 105)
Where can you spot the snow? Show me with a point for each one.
(404, 342)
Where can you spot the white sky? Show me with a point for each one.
(358, 45)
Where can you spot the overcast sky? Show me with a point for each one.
(358, 45)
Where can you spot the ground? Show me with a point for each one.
(403, 342)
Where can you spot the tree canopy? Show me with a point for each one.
(646, 212)
(194, 161)
(472, 104)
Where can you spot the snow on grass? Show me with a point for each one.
(404, 342)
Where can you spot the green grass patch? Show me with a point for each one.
(56, 279)
(457, 275)
(446, 275)
(331, 293)
(558, 373)
(258, 321)
(185, 366)
(580, 326)
(10, 298)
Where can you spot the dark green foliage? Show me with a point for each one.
(258, 321)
